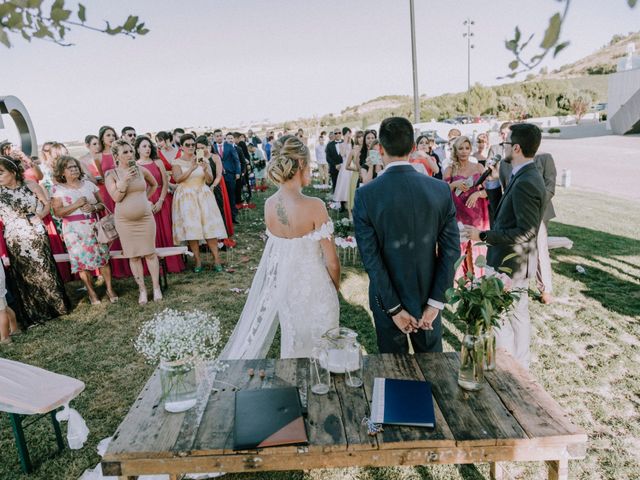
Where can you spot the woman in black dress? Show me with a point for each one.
(39, 289)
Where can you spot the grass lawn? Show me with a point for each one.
(585, 347)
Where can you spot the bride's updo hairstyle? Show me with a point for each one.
(289, 156)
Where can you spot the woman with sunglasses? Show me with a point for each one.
(195, 213)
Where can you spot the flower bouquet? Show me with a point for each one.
(177, 340)
(480, 302)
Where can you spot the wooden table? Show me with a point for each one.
(511, 419)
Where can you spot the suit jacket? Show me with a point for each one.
(230, 160)
(333, 157)
(405, 226)
(547, 168)
(516, 223)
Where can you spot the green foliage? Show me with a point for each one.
(29, 19)
(601, 69)
(480, 302)
(553, 130)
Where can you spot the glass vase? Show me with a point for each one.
(471, 373)
(179, 387)
(490, 350)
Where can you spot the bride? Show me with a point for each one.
(299, 274)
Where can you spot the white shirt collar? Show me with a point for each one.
(396, 164)
(517, 169)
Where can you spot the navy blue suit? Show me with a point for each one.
(408, 238)
(230, 168)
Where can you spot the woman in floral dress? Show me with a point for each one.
(39, 289)
(76, 202)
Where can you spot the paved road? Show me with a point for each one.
(607, 164)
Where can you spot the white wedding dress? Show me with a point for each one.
(292, 286)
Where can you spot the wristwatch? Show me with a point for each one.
(395, 310)
(483, 236)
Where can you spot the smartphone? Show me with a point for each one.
(132, 163)
(200, 155)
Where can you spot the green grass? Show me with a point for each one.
(585, 348)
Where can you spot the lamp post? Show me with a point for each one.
(414, 61)
(468, 34)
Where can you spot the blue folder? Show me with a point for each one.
(402, 402)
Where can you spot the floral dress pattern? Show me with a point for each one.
(39, 289)
(85, 252)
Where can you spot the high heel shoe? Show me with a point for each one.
(142, 299)
(157, 295)
(95, 301)
(113, 298)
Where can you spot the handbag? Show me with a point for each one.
(105, 227)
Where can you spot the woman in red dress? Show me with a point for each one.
(146, 156)
(470, 201)
(106, 136)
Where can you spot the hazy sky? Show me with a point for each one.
(222, 62)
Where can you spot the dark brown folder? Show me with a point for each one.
(267, 418)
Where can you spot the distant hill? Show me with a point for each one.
(542, 94)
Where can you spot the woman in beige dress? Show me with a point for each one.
(131, 187)
(196, 215)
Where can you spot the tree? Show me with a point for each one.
(550, 41)
(580, 103)
(31, 19)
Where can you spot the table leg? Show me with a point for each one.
(164, 284)
(127, 477)
(56, 429)
(497, 471)
(21, 444)
(558, 469)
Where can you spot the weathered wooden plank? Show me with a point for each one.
(558, 470)
(404, 367)
(497, 471)
(258, 462)
(147, 430)
(475, 418)
(355, 407)
(536, 411)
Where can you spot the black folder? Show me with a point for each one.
(267, 418)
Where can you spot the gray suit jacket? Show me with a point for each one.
(516, 223)
(405, 225)
(547, 168)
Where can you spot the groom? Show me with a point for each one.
(409, 242)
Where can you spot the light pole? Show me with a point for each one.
(414, 61)
(468, 34)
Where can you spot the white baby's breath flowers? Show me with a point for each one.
(179, 336)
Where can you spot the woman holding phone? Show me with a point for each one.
(131, 186)
(196, 215)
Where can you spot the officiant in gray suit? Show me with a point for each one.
(409, 241)
(514, 230)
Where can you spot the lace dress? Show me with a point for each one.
(39, 289)
(292, 286)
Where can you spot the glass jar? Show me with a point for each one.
(471, 373)
(179, 387)
(342, 356)
(353, 366)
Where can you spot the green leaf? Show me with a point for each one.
(143, 31)
(60, 14)
(632, 3)
(552, 33)
(508, 257)
(82, 13)
(25, 35)
(511, 45)
(4, 38)
(131, 22)
(458, 263)
(6, 9)
(506, 270)
(518, 35)
(559, 48)
(34, 3)
(513, 64)
(21, 3)
(481, 261)
(15, 21)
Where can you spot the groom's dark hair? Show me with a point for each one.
(396, 136)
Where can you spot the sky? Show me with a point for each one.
(238, 62)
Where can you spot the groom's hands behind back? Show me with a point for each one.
(428, 316)
(405, 322)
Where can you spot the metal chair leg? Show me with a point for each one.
(58, 432)
(21, 444)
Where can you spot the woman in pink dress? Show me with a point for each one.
(106, 136)
(146, 155)
(470, 200)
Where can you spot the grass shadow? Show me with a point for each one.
(600, 281)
